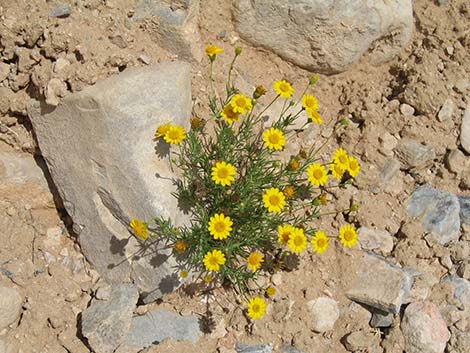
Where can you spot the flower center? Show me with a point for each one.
(222, 173)
(219, 227)
(241, 102)
(274, 200)
(213, 260)
(343, 159)
(349, 236)
(284, 87)
(321, 243)
(274, 139)
(298, 241)
(255, 308)
(173, 134)
(317, 174)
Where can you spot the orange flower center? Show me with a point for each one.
(298, 241)
(274, 200)
(222, 173)
(219, 227)
(321, 243)
(317, 174)
(348, 235)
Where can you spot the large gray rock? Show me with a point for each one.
(100, 149)
(380, 284)
(157, 325)
(10, 306)
(177, 26)
(326, 36)
(439, 210)
(105, 323)
(464, 202)
(424, 328)
(465, 130)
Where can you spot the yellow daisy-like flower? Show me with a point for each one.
(184, 274)
(341, 158)
(180, 246)
(175, 134)
(229, 115)
(213, 50)
(320, 242)
(256, 308)
(348, 235)
(317, 174)
(254, 260)
(283, 88)
(274, 200)
(220, 226)
(274, 139)
(213, 260)
(284, 233)
(241, 104)
(139, 228)
(353, 166)
(208, 278)
(270, 291)
(223, 173)
(309, 102)
(289, 191)
(162, 129)
(337, 171)
(314, 116)
(297, 241)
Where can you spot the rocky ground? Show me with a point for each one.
(410, 126)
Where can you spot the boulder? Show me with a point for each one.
(100, 150)
(326, 36)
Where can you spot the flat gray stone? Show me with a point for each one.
(447, 110)
(375, 240)
(100, 150)
(10, 306)
(464, 202)
(157, 325)
(389, 170)
(412, 154)
(60, 10)
(105, 323)
(465, 130)
(380, 284)
(381, 319)
(258, 348)
(461, 290)
(324, 312)
(439, 212)
(290, 349)
(20, 169)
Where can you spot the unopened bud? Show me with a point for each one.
(259, 91)
(354, 207)
(313, 79)
(344, 121)
(238, 51)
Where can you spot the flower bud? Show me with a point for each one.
(354, 207)
(344, 121)
(259, 91)
(313, 79)
(238, 51)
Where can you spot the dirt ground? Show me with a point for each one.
(39, 257)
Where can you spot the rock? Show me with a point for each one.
(381, 319)
(461, 290)
(407, 110)
(465, 130)
(326, 37)
(460, 251)
(4, 71)
(442, 2)
(464, 202)
(20, 169)
(100, 195)
(464, 270)
(394, 341)
(414, 155)
(447, 110)
(456, 161)
(387, 143)
(424, 328)
(290, 349)
(157, 325)
(60, 10)
(378, 241)
(361, 341)
(325, 312)
(389, 170)
(62, 68)
(55, 89)
(461, 85)
(380, 284)
(10, 306)
(247, 348)
(459, 341)
(177, 27)
(439, 211)
(105, 324)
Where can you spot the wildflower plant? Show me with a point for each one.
(248, 208)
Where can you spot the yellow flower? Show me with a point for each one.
(184, 274)
(297, 241)
(294, 165)
(274, 200)
(259, 91)
(283, 88)
(223, 173)
(309, 102)
(314, 116)
(180, 246)
(337, 171)
(341, 158)
(139, 228)
(274, 139)
(175, 134)
(270, 291)
(353, 166)
(241, 104)
(254, 260)
(229, 115)
(162, 129)
(289, 191)
(212, 51)
(317, 174)
(220, 226)
(256, 308)
(284, 232)
(208, 278)
(213, 260)
(348, 235)
(320, 242)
